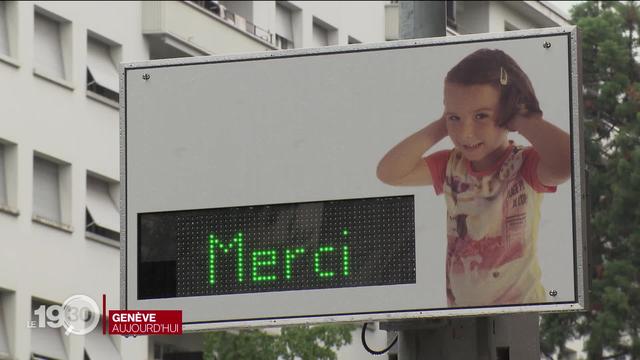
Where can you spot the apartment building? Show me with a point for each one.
(59, 138)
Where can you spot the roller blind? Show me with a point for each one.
(320, 36)
(46, 189)
(46, 341)
(284, 25)
(4, 343)
(48, 46)
(101, 66)
(99, 346)
(4, 29)
(101, 206)
(3, 177)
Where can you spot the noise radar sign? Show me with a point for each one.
(254, 186)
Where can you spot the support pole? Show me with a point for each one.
(422, 19)
(502, 337)
(497, 337)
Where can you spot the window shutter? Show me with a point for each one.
(46, 190)
(101, 206)
(48, 46)
(47, 341)
(4, 343)
(101, 66)
(3, 178)
(284, 25)
(99, 346)
(320, 36)
(4, 30)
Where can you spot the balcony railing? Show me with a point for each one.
(220, 11)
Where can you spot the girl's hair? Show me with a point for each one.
(496, 68)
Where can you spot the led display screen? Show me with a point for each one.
(311, 245)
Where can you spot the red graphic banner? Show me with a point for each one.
(145, 322)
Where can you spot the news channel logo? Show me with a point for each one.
(78, 314)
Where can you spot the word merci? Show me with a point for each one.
(145, 322)
(265, 259)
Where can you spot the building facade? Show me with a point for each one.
(59, 137)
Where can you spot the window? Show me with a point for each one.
(509, 26)
(3, 178)
(51, 192)
(9, 32)
(284, 27)
(323, 34)
(212, 6)
(4, 330)
(46, 342)
(283, 43)
(8, 177)
(320, 36)
(98, 346)
(102, 215)
(451, 14)
(46, 190)
(4, 30)
(51, 44)
(102, 73)
(352, 40)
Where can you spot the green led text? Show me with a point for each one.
(215, 244)
(258, 260)
(325, 262)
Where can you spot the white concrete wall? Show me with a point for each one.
(41, 115)
(499, 13)
(363, 20)
(490, 16)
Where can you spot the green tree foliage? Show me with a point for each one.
(609, 33)
(294, 342)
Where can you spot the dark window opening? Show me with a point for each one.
(94, 228)
(451, 14)
(96, 88)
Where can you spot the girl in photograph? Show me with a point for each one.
(493, 188)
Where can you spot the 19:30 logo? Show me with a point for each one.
(79, 315)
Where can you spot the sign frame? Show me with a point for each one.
(578, 182)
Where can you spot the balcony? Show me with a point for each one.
(192, 28)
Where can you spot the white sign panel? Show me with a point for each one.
(421, 178)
